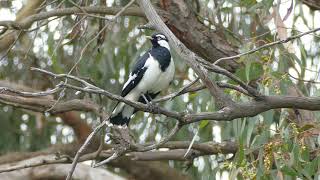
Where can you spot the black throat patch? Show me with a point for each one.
(162, 55)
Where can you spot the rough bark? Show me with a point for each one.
(80, 128)
(209, 44)
(313, 4)
(146, 170)
(40, 104)
(59, 172)
(134, 169)
(29, 9)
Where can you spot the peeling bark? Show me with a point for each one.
(313, 4)
(29, 9)
(209, 44)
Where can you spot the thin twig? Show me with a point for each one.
(85, 83)
(164, 140)
(14, 42)
(217, 69)
(32, 94)
(84, 146)
(267, 45)
(89, 88)
(191, 143)
(35, 164)
(114, 156)
(298, 79)
(178, 93)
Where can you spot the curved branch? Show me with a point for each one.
(28, 9)
(313, 4)
(228, 113)
(253, 108)
(202, 149)
(28, 21)
(267, 46)
(42, 104)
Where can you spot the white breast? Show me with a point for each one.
(164, 79)
(154, 80)
(151, 75)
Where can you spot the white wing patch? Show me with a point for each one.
(131, 78)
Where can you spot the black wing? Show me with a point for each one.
(137, 72)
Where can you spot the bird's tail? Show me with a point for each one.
(122, 114)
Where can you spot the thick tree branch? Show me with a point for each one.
(90, 88)
(10, 37)
(42, 104)
(210, 44)
(176, 152)
(238, 110)
(25, 23)
(214, 68)
(253, 108)
(15, 94)
(313, 4)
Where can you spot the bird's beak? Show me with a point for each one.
(149, 37)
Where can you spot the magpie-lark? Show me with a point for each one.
(151, 74)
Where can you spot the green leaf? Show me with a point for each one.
(240, 73)
(248, 66)
(289, 171)
(306, 127)
(248, 2)
(265, 4)
(256, 70)
(203, 124)
(250, 127)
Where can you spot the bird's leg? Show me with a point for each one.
(149, 103)
(145, 99)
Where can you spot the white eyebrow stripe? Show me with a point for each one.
(162, 36)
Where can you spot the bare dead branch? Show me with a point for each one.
(253, 92)
(201, 149)
(162, 141)
(84, 146)
(32, 94)
(25, 23)
(42, 104)
(178, 93)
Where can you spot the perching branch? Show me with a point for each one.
(240, 110)
(90, 88)
(188, 56)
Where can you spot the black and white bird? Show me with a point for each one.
(151, 74)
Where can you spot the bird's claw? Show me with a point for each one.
(153, 108)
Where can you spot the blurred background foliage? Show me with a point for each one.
(273, 144)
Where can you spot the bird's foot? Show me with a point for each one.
(152, 107)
